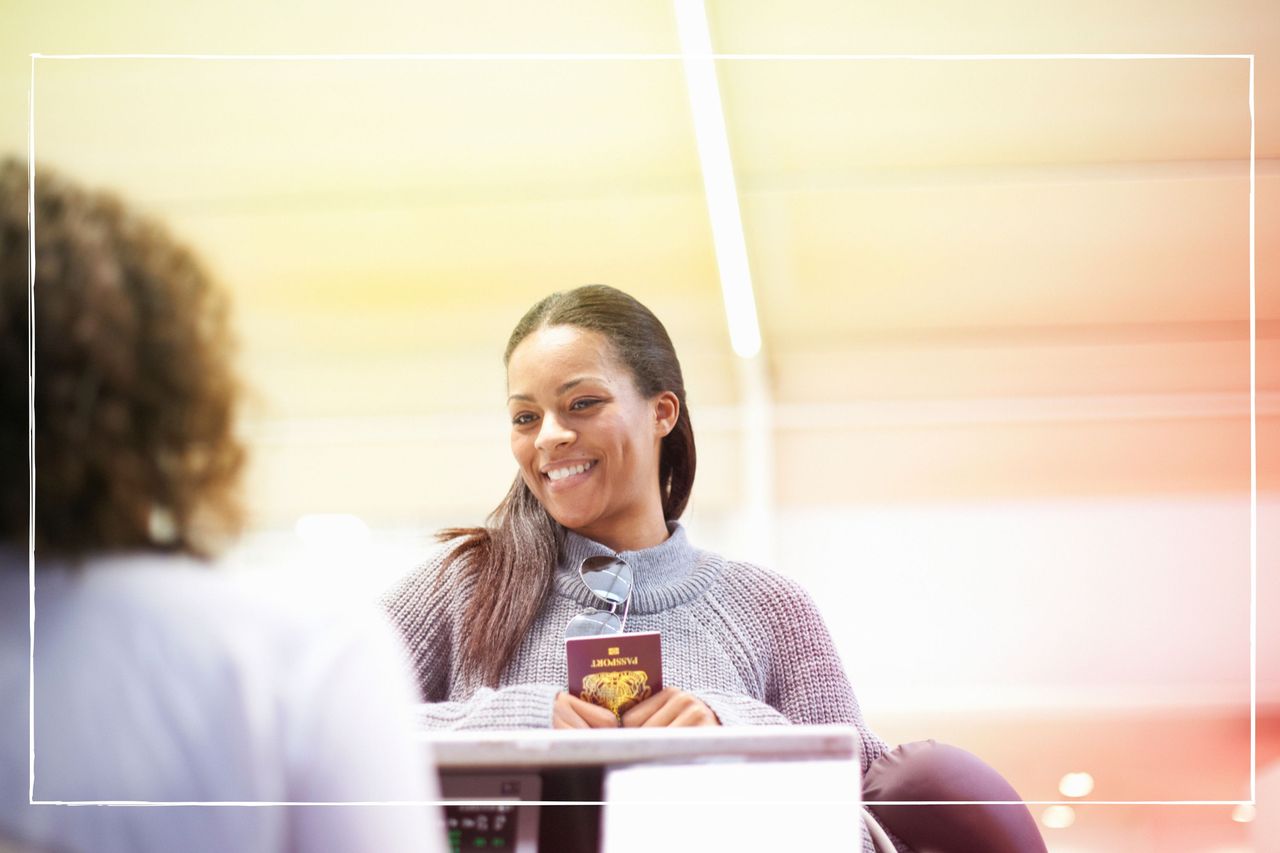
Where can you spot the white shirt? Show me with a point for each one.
(156, 679)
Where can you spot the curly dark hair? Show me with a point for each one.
(135, 395)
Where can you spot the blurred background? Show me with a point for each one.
(999, 420)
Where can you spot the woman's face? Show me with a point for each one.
(586, 441)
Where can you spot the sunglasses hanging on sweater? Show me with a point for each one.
(610, 580)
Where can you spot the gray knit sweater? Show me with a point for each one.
(748, 642)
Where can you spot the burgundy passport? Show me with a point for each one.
(615, 671)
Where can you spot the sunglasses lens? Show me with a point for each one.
(608, 577)
(593, 623)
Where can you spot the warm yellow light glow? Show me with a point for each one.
(1058, 817)
(1244, 813)
(1076, 785)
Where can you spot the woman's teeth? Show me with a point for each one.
(561, 473)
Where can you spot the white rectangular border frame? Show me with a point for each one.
(632, 57)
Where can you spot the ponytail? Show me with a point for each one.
(511, 559)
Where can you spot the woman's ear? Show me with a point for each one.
(666, 410)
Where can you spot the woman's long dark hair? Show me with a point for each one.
(513, 557)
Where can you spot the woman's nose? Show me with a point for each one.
(552, 434)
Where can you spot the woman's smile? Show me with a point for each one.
(561, 476)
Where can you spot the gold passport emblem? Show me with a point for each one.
(614, 650)
(618, 690)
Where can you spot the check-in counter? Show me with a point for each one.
(765, 787)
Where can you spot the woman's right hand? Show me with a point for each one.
(570, 712)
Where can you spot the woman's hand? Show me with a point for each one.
(670, 707)
(570, 712)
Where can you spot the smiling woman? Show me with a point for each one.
(604, 443)
(601, 433)
(594, 384)
(600, 430)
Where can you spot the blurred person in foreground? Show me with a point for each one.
(156, 679)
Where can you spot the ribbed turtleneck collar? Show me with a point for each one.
(670, 573)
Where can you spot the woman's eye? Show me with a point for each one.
(522, 419)
(579, 405)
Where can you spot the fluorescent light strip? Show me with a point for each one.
(717, 177)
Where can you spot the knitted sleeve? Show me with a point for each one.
(733, 709)
(794, 658)
(788, 652)
(516, 706)
(426, 607)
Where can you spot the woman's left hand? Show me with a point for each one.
(670, 707)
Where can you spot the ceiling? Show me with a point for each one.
(979, 235)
